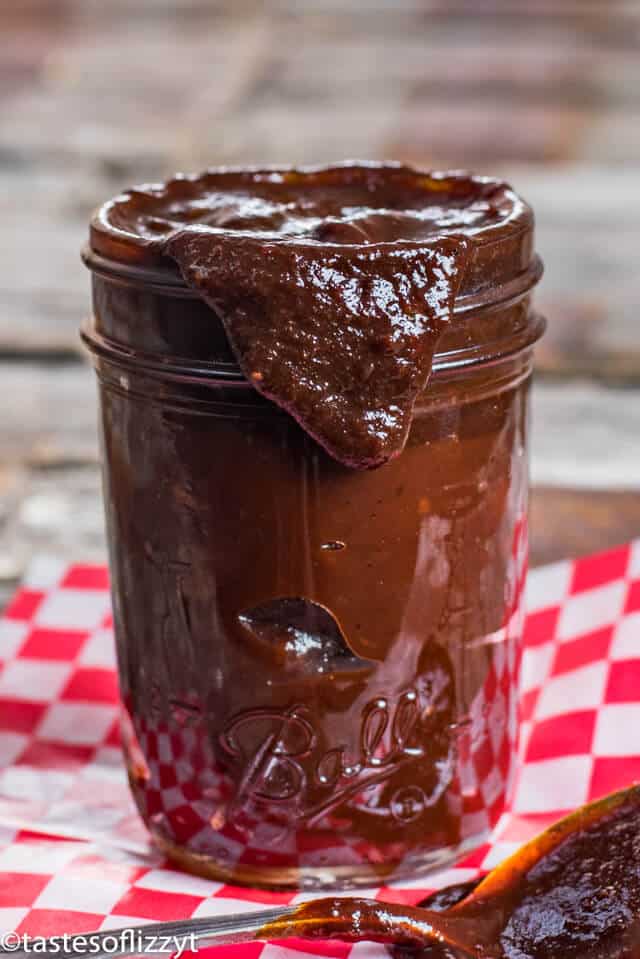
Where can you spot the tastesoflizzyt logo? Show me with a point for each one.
(119, 942)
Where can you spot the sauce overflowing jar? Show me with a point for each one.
(313, 391)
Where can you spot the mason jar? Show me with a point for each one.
(318, 665)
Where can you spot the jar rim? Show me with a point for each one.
(156, 280)
(499, 278)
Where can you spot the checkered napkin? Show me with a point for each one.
(74, 856)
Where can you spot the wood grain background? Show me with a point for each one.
(95, 96)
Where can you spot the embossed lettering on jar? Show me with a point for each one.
(318, 662)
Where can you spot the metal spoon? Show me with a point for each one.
(523, 897)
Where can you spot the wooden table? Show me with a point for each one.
(94, 97)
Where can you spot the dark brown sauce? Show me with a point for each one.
(346, 203)
(582, 899)
(343, 339)
(356, 920)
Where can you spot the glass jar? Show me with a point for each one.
(318, 665)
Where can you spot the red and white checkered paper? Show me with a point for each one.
(74, 856)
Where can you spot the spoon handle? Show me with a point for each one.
(166, 938)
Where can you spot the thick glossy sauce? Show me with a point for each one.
(354, 203)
